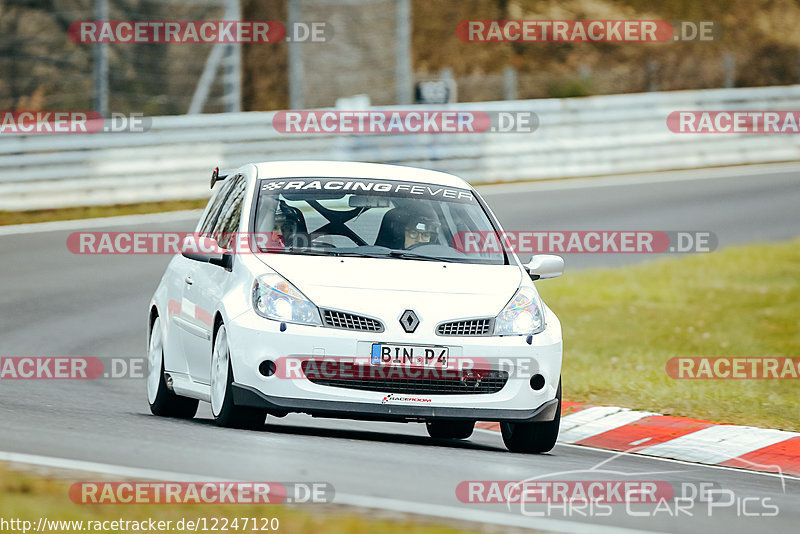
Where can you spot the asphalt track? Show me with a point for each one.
(58, 304)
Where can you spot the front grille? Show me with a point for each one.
(469, 327)
(384, 379)
(350, 321)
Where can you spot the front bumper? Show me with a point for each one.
(250, 396)
(253, 339)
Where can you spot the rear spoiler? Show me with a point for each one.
(218, 176)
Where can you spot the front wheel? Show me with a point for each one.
(162, 401)
(450, 429)
(533, 437)
(225, 412)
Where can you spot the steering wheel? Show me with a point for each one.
(416, 245)
(331, 245)
(323, 244)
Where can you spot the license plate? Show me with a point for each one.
(409, 355)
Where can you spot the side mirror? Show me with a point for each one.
(207, 250)
(543, 266)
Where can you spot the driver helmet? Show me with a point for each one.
(288, 225)
(287, 219)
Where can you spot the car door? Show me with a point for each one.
(193, 332)
(209, 283)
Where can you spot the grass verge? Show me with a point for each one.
(622, 325)
(29, 497)
(92, 212)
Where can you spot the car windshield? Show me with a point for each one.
(370, 218)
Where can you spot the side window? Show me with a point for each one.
(228, 221)
(216, 206)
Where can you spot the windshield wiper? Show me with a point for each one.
(411, 256)
(358, 254)
(314, 251)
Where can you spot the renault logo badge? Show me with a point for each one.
(409, 321)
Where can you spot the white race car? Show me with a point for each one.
(345, 290)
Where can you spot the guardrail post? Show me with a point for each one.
(296, 81)
(101, 63)
(510, 83)
(232, 70)
(403, 78)
(729, 70)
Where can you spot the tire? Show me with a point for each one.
(225, 412)
(450, 429)
(163, 402)
(533, 437)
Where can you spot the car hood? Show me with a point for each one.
(384, 288)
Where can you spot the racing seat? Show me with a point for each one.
(391, 234)
(295, 231)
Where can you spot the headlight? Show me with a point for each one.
(275, 298)
(524, 314)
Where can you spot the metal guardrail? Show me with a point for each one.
(600, 135)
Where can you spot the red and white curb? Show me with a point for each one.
(678, 438)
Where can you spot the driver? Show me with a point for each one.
(288, 226)
(420, 229)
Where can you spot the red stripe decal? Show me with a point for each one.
(203, 316)
(173, 307)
